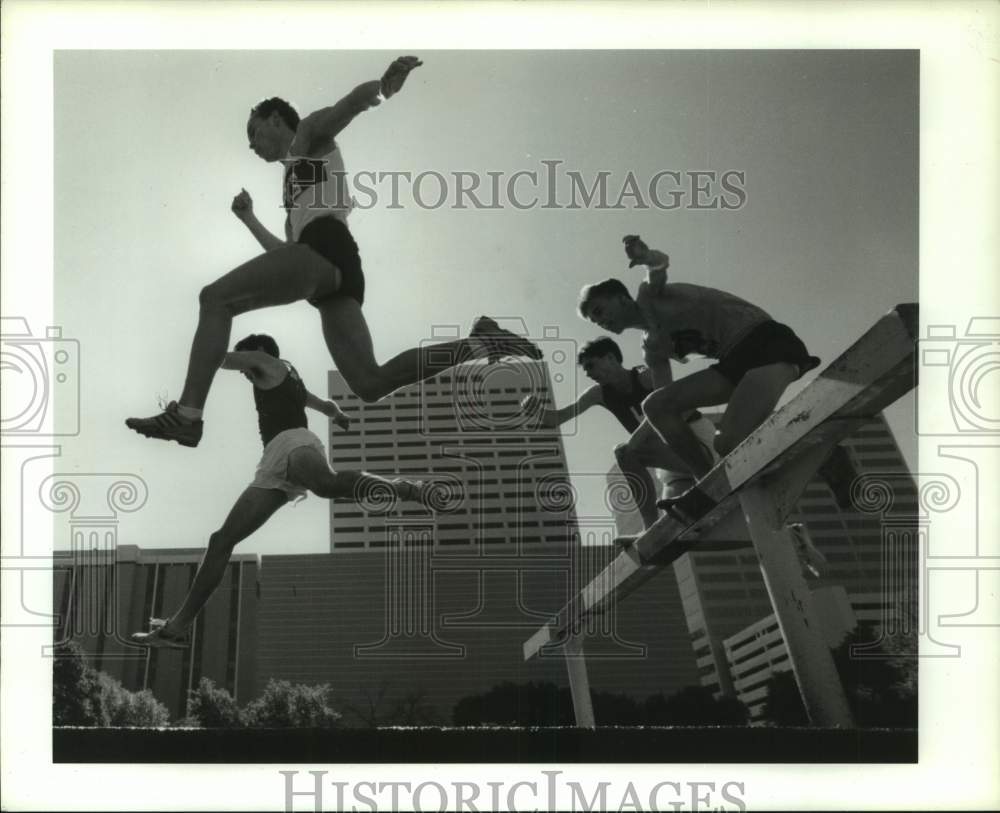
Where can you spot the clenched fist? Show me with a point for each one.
(242, 205)
(641, 254)
(635, 249)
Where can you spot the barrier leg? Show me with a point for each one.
(810, 657)
(579, 684)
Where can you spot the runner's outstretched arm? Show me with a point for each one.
(243, 209)
(319, 127)
(329, 408)
(551, 418)
(250, 361)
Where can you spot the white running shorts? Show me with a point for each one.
(272, 471)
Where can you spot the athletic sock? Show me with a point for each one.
(190, 413)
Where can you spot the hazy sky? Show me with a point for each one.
(150, 148)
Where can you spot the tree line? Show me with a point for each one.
(880, 683)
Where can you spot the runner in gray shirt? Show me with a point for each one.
(757, 357)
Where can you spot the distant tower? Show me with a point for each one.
(464, 427)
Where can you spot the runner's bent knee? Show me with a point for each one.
(220, 541)
(212, 296)
(621, 450)
(662, 402)
(631, 453)
(220, 296)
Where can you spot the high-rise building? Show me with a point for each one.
(869, 545)
(465, 428)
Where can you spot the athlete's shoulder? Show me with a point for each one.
(292, 373)
(645, 376)
(593, 396)
(270, 372)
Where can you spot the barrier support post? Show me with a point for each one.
(579, 683)
(766, 505)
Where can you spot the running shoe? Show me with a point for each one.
(159, 638)
(169, 425)
(500, 342)
(675, 507)
(409, 490)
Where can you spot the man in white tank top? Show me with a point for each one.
(317, 261)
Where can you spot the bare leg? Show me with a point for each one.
(277, 277)
(350, 344)
(635, 457)
(753, 400)
(255, 506)
(645, 450)
(640, 482)
(252, 509)
(309, 469)
(665, 406)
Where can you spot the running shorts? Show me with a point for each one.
(272, 471)
(332, 240)
(769, 343)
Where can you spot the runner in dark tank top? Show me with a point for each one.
(294, 463)
(621, 391)
(281, 407)
(626, 406)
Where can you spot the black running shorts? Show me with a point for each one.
(330, 238)
(768, 343)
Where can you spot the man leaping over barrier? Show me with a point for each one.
(760, 483)
(622, 391)
(757, 357)
(293, 463)
(317, 261)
